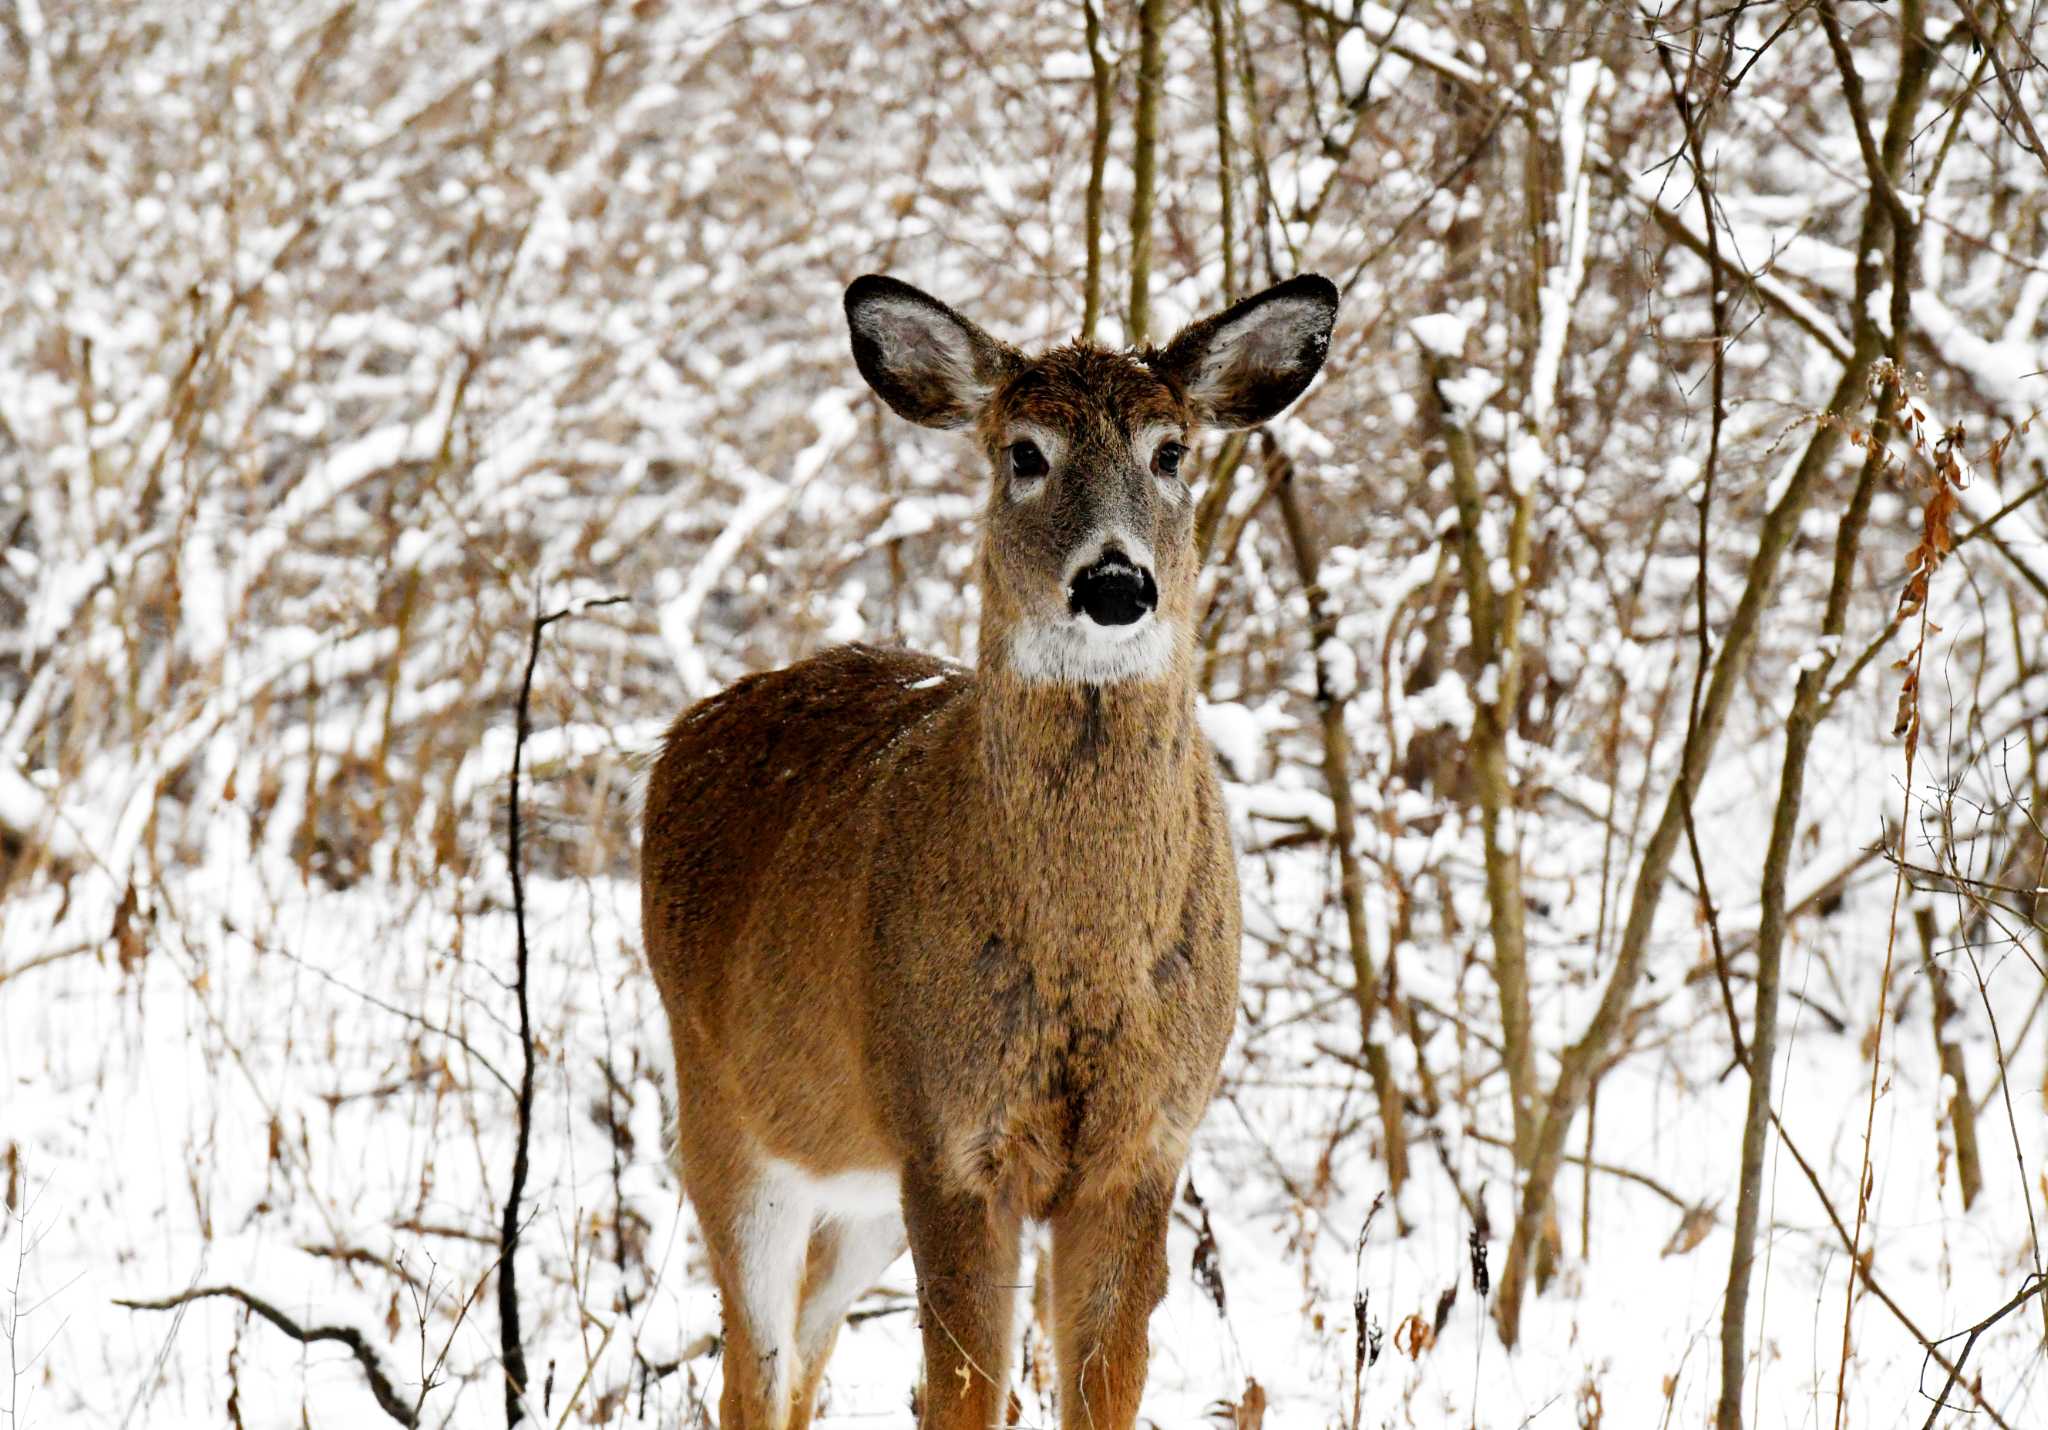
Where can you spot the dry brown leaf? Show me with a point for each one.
(1692, 1230)
(1414, 1336)
(1247, 1412)
(128, 944)
(1590, 1407)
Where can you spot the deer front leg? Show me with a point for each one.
(966, 1249)
(1108, 1272)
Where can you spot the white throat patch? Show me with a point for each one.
(1077, 651)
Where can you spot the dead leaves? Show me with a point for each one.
(1475, 1246)
(128, 945)
(1207, 1268)
(1247, 1412)
(1691, 1231)
(1945, 472)
(1414, 1336)
(1590, 1408)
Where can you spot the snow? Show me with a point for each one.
(1339, 666)
(26, 808)
(1354, 60)
(1234, 732)
(1443, 334)
(1560, 291)
(258, 658)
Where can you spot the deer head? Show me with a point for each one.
(1087, 560)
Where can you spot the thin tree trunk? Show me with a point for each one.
(1805, 718)
(1582, 1058)
(1330, 702)
(1226, 176)
(1144, 166)
(1493, 651)
(1255, 141)
(1809, 707)
(1098, 160)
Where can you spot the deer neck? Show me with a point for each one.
(1093, 790)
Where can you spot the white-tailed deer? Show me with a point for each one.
(942, 949)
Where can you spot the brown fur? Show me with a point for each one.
(971, 931)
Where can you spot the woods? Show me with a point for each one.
(1628, 666)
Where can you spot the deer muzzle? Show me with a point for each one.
(1112, 591)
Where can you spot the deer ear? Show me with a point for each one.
(926, 361)
(1245, 364)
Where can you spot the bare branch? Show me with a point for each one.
(380, 1384)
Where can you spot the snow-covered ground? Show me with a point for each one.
(305, 1092)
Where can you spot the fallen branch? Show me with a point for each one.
(380, 1384)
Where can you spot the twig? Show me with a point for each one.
(380, 1384)
(375, 1002)
(1718, 308)
(359, 1256)
(1948, 1054)
(1860, 1268)
(41, 960)
(511, 1348)
(2026, 1293)
(1626, 1174)
(2014, 100)
(1897, 408)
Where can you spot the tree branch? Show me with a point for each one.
(380, 1384)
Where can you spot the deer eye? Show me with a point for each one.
(1027, 463)
(1168, 458)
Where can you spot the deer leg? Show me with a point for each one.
(846, 1256)
(757, 1233)
(1108, 1272)
(966, 1250)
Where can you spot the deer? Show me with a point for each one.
(945, 950)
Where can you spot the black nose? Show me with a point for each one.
(1112, 592)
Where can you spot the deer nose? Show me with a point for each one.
(1113, 591)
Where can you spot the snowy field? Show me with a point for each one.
(304, 1092)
